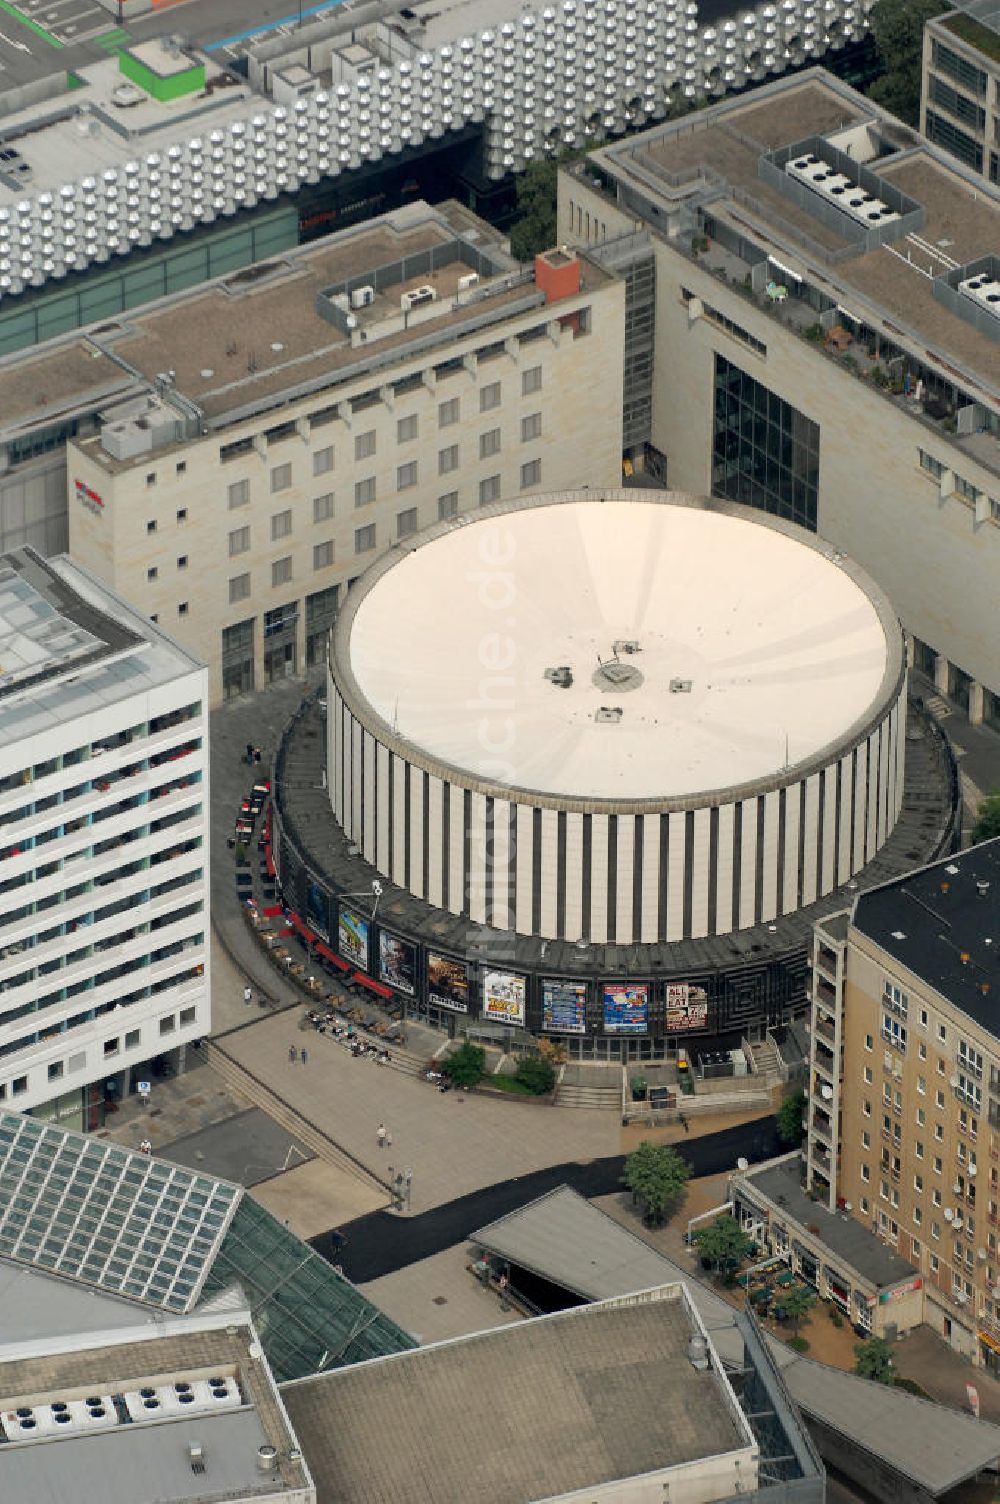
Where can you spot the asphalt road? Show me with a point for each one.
(380, 1243)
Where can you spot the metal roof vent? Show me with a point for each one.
(680, 686)
(609, 714)
(196, 1456)
(267, 1458)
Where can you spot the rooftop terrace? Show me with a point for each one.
(715, 157)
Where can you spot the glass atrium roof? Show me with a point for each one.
(308, 1316)
(113, 1218)
(107, 1216)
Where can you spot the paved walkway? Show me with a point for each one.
(977, 749)
(260, 720)
(453, 1142)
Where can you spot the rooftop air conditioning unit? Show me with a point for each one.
(417, 297)
(469, 280)
(362, 297)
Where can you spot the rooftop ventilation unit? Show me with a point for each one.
(839, 189)
(182, 1397)
(417, 297)
(608, 714)
(983, 290)
(59, 1418)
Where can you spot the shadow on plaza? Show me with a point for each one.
(381, 1242)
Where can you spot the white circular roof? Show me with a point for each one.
(752, 650)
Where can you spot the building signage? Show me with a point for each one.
(564, 1006)
(626, 1007)
(89, 498)
(317, 907)
(397, 962)
(504, 997)
(447, 982)
(897, 1292)
(687, 1007)
(352, 938)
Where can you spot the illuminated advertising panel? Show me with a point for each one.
(447, 982)
(687, 1008)
(626, 1007)
(564, 1006)
(504, 997)
(397, 962)
(352, 938)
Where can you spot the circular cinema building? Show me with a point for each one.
(606, 755)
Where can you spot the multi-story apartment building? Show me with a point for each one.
(904, 1089)
(822, 342)
(960, 86)
(104, 958)
(304, 417)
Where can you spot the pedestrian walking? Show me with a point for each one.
(381, 1135)
(249, 754)
(145, 1147)
(291, 1052)
(684, 1122)
(388, 1140)
(248, 995)
(258, 755)
(303, 1056)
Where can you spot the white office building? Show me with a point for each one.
(103, 844)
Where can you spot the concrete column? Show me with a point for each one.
(941, 674)
(976, 703)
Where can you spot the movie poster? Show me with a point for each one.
(447, 982)
(397, 963)
(504, 997)
(687, 1008)
(564, 1006)
(626, 1007)
(353, 938)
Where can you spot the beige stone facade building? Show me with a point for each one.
(796, 354)
(960, 87)
(302, 418)
(904, 1089)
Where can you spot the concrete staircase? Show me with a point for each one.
(607, 1098)
(261, 1095)
(937, 705)
(765, 1062)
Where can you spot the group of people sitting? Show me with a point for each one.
(345, 1032)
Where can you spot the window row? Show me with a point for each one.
(449, 412)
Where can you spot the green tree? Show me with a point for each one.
(723, 1244)
(538, 1075)
(790, 1118)
(534, 229)
(987, 824)
(656, 1175)
(873, 1360)
(797, 1301)
(898, 30)
(465, 1066)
